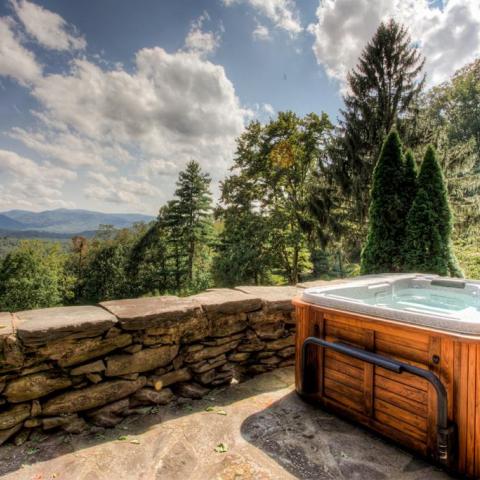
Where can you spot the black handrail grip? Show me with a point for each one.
(445, 431)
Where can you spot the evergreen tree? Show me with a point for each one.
(173, 255)
(383, 249)
(383, 91)
(192, 217)
(410, 180)
(428, 246)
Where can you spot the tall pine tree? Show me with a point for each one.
(383, 90)
(383, 249)
(191, 217)
(428, 247)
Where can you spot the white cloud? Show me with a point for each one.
(282, 13)
(449, 36)
(129, 132)
(47, 28)
(200, 42)
(119, 190)
(15, 60)
(30, 184)
(69, 148)
(174, 107)
(261, 32)
(268, 109)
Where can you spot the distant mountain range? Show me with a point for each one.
(63, 221)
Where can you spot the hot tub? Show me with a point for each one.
(399, 354)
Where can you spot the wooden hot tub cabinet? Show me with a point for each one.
(400, 405)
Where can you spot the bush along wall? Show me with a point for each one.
(74, 368)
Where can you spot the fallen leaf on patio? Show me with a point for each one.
(221, 448)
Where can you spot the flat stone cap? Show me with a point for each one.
(225, 301)
(37, 327)
(274, 299)
(148, 312)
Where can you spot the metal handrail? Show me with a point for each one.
(445, 431)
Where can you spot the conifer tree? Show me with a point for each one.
(383, 248)
(428, 245)
(191, 214)
(383, 91)
(410, 180)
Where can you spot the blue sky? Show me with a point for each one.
(102, 103)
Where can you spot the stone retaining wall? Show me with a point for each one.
(78, 368)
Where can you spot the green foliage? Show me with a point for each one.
(174, 254)
(409, 189)
(450, 120)
(392, 190)
(104, 272)
(383, 90)
(33, 276)
(428, 246)
(270, 220)
(243, 253)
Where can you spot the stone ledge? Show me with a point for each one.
(37, 327)
(274, 299)
(152, 312)
(225, 301)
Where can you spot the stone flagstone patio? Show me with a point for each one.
(258, 429)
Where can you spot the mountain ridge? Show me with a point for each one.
(66, 221)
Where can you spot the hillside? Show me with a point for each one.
(65, 221)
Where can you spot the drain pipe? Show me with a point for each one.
(445, 432)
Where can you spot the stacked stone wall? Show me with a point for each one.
(78, 368)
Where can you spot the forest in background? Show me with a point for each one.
(295, 205)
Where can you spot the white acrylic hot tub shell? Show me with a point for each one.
(350, 297)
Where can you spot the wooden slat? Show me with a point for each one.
(405, 378)
(345, 390)
(401, 389)
(463, 409)
(337, 397)
(368, 374)
(402, 402)
(472, 374)
(403, 351)
(344, 358)
(404, 427)
(419, 342)
(400, 358)
(445, 371)
(408, 417)
(477, 415)
(355, 383)
(334, 364)
(341, 332)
